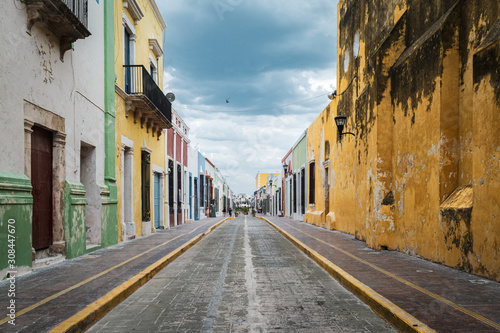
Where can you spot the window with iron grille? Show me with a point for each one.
(179, 189)
(171, 187)
(302, 191)
(294, 194)
(311, 183)
(196, 203)
(146, 185)
(202, 191)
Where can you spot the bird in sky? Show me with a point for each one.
(227, 99)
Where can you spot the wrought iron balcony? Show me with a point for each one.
(67, 19)
(146, 99)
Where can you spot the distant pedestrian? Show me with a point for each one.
(230, 212)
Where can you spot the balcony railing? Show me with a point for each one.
(67, 19)
(140, 84)
(80, 9)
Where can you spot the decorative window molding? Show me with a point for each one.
(128, 24)
(155, 46)
(153, 68)
(133, 8)
(146, 148)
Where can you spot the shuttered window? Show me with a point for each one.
(146, 185)
(312, 183)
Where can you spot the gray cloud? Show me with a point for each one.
(261, 54)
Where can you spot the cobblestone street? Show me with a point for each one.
(244, 276)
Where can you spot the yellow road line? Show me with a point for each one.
(401, 319)
(408, 283)
(83, 319)
(50, 298)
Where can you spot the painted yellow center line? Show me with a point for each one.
(50, 298)
(408, 283)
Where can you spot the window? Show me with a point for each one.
(210, 191)
(146, 185)
(302, 191)
(196, 204)
(311, 182)
(202, 191)
(126, 61)
(179, 189)
(153, 71)
(171, 187)
(294, 194)
(207, 193)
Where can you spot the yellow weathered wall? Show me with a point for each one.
(145, 29)
(134, 132)
(421, 173)
(319, 141)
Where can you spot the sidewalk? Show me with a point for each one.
(444, 299)
(48, 296)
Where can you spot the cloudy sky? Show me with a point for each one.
(274, 61)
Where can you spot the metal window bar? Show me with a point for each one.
(80, 9)
(179, 189)
(141, 83)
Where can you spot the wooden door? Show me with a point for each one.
(41, 180)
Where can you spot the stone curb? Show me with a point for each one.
(396, 316)
(98, 309)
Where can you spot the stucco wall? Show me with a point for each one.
(319, 141)
(142, 138)
(422, 100)
(73, 89)
(300, 154)
(66, 97)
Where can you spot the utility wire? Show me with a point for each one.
(250, 110)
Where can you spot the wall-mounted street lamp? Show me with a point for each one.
(340, 121)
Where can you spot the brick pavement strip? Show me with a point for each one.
(48, 296)
(385, 308)
(243, 277)
(445, 299)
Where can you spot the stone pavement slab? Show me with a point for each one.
(47, 296)
(445, 299)
(243, 277)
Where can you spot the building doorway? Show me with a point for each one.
(156, 200)
(41, 180)
(88, 167)
(196, 210)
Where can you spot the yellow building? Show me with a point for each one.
(319, 142)
(261, 179)
(418, 86)
(142, 114)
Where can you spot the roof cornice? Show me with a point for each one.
(157, 13)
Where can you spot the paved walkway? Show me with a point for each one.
(48, 296)
(445, 299)
(243, 277)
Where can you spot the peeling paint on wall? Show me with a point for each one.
(423, 97)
